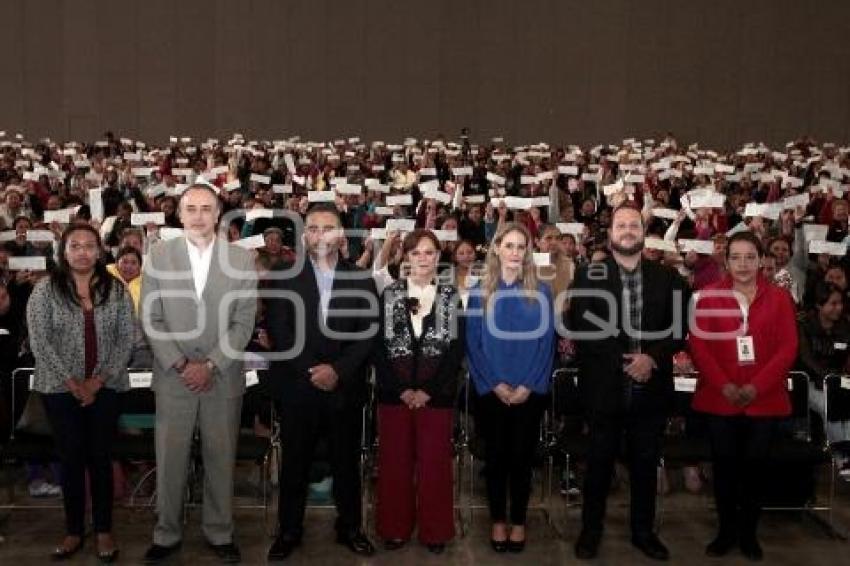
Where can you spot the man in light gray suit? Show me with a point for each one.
(198, 305)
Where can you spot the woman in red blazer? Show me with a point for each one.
(743, 340)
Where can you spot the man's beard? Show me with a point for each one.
(634, 249)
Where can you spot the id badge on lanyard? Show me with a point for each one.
(746, 348)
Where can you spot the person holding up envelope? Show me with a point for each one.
(743, 342)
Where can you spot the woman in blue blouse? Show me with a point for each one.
(510, 342)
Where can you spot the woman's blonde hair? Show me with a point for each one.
(493, 266)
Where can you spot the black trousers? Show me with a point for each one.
(740, 447)
(640, 426)
(510, 435)
(302, 426)
(84, 437)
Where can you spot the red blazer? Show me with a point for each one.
(772, 324)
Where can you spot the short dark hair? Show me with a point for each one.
(628, 205)
(128, 250)
(745, 236)
(824, 290)
(324, 208)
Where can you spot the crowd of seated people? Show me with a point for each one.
(463, 202)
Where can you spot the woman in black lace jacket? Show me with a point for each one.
(417, 362)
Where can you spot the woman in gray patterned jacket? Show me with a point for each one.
(80, 322)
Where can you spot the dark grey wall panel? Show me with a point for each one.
(721, 72)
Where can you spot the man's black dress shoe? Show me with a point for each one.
(436, 548)
(651, 546)
(156, 553)
(721, 545)
(282, 548)
(227, 553)
(356, 543)
(500, 546)
(751, 549)
(587, 545)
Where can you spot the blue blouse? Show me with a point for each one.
(525, 351)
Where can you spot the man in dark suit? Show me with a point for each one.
(628, 317)
(321, 385)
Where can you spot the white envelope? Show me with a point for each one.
(321, 196)
(462, 171)
(713, 200)
(40, 236)
(542, 259)
(349, 189)
(384, 210)
(400, 200)
(493, 178)
(62, 216)
(796, 200)
(653, 243)
(142, 218)
(255, 213)
(567, 170)
(704, 247)
(667, 213)
(824, 247)
(262, 179)
(220, 170)
(282, 189)
(24, 263)
(474, 199)
(574, 228)
(401, 225)
(446, 235)
(252, 242)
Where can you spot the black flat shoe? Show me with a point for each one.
(394, 543)
(516, 546)
(500, 546)
(60, 553)
(107, 556)
(436, 548)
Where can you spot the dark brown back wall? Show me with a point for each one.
(722, 72)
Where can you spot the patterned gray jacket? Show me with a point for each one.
(57, 338)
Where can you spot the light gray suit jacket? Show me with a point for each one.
(217, 326)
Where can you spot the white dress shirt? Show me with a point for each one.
(200, 262)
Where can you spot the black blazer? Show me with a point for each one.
(353, 309)
(600, 360)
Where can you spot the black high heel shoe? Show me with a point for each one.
(516, 546)
(107, 556)
(60, 553)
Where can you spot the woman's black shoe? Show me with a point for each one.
(107, 556)
(516, 546)
(436, 548)
(61, 553)
(393, 543)
(500, 546)
(720, 546)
